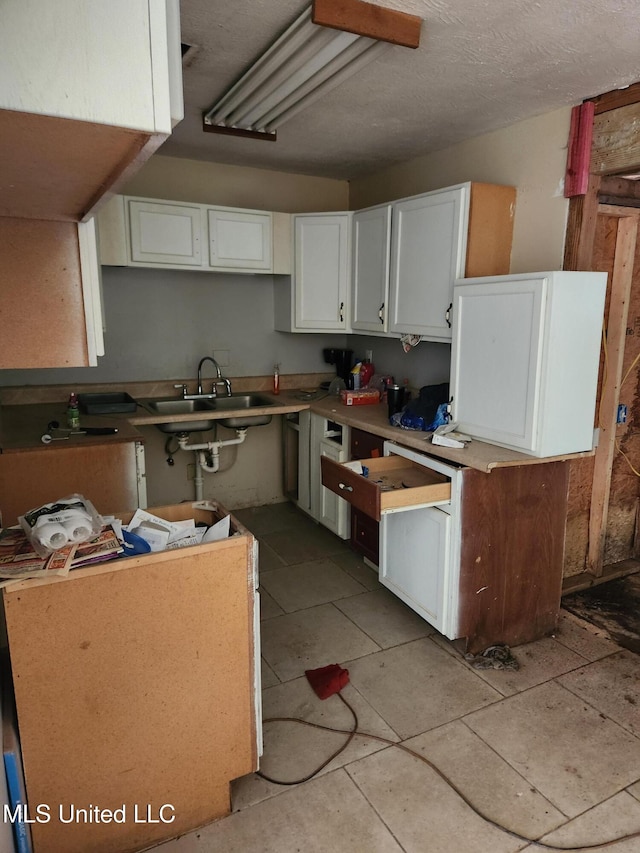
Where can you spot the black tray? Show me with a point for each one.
(107, 404)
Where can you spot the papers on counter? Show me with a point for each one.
(163, 535)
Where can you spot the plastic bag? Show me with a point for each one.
(428, 411)
(67, 521)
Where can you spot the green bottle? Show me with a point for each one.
(73, 412)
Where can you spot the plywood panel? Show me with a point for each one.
(105, 474)
(57, 168)
(41, 303)
(134, 687)
(491, 215)
(512, 549)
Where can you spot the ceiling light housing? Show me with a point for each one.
(329, 42)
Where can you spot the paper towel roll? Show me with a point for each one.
(77, 525)
(50, 536)
(77, 531)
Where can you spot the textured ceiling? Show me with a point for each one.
(481, 65)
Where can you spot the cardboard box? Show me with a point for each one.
(365, 397)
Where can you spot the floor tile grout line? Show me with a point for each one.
(380, 817)
(598, 711)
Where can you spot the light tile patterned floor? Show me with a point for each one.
(552, 751)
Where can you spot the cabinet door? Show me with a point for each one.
(496, 360)
(370, 286)
(239, 240)
(427, 255)
(165, 234)
(322, 254)
(414, 558)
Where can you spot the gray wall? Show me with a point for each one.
(161, 322)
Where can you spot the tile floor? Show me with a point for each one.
(551, 750)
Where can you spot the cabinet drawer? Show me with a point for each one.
(394, 483)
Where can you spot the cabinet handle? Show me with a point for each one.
(345, 488)
(341, 311)
(447, 314)
(381, 313)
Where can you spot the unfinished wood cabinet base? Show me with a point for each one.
(134, 687)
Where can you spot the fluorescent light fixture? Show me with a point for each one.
(306, 62)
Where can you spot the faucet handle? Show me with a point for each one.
(184, 388)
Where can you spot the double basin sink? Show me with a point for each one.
(200, 406)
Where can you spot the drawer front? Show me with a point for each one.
(394, 483)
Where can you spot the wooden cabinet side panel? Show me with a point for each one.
(490, 235)
(105, 474)
(41, 304)
(513, 527)
(133, 688)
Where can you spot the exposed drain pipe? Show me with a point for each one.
(207, 456)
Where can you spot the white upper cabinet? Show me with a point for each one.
(89, 61)
(101, 82)
(435, 238)
(370, 277)
(239, 240)
(145, 232)
(428, 253)
(525, 358)
(316, 298)
(165, 234)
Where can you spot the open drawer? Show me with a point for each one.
(394, 483)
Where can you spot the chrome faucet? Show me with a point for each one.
(214, 385)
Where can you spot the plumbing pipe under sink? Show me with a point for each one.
(213, 449)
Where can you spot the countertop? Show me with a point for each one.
(22, 427)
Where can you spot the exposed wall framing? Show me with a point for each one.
(602, 535)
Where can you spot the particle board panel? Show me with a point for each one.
(41, 302)
(105, 474)
(134, 689)
(57, 168)
(490, 236)
(512, 554)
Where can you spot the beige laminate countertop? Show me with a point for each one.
(22, 427)
(477, 454)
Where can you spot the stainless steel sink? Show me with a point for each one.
(175, 406)
(199, 407)
(242, 401)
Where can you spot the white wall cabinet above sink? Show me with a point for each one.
(238, 238)
(157, 233)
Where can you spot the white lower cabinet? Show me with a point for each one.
(478, 555)
(416, 498)
(419, 582)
